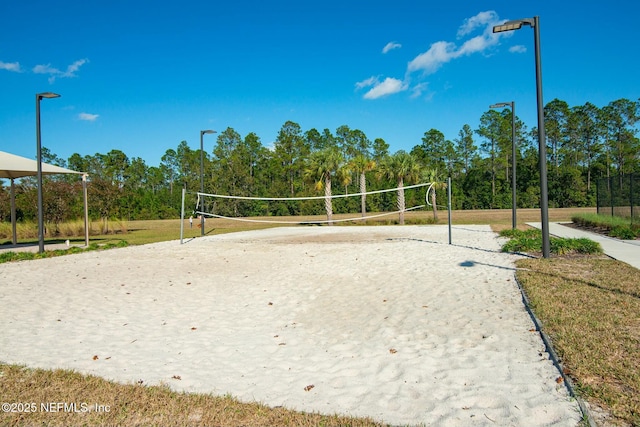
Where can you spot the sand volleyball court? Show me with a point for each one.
(387, 322)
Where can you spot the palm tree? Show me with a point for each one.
(400, 166)
(322, 166)
(431, 175)
(361, 164)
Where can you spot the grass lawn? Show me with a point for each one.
(589, 306)
(141, 232)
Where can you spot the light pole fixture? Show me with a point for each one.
(39, 96)
(511, 104)
(542, 143)
(202, 132)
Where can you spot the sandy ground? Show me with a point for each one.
(388, 322)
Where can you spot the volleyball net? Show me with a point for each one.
(336, 208)
(304, 210)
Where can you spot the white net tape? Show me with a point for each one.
(201, 196)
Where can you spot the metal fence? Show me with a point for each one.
(619, 196)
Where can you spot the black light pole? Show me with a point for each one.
(39, 96)
(202, 132)
(511, 104)
(542, 142)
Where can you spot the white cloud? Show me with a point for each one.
(475, 35)
(439, 53)
(418, 90)
(390, 46)
(88, 117)
(45, 69)
(10, 66)
(368, 82)
(386, 87)
(442, 52)
(517, 49)
(55, 73)
(480, 20)
(477, 44)
(71, 69)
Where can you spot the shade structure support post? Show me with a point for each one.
(14, 234)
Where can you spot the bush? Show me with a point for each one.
(6, 256)
(580, 246)
(618, 227)
(622, 232)
(530, 233)
(530, 240)
(523, 244)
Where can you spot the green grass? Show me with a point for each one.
(24, 256)
(590, 308)
(530, 241)
(614, 226)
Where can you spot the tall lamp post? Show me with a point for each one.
(202, 132)
(39, 96)
(511, 104)
(542, 143)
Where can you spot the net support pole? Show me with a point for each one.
(449, 205)
(184, 189)
(86, 210)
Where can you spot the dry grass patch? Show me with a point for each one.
(138, 405)
(590, 307)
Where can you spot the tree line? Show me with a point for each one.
(584, 143)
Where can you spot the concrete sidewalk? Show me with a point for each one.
(622, 250)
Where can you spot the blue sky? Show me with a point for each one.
(141, 76)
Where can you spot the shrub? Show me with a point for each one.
(622, 232)
(530, 240)
(523, 244)
(530, 233)
(580, 246)
(615, 226)
(6, 256)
